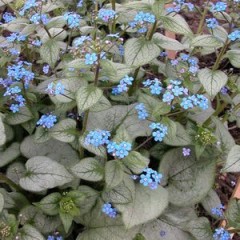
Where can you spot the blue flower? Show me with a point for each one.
(28, 4)
(73, 19)
(212, 22)
(97, 138)
(8, 17)
(106, 14)
(218, 211)
(150, 178)
(234, 35)
(14, 51)
(109, 210)
(80, 3)
(120, 150)
(141, 21)
(37, 43)
(47, 121)
(123, 85)
(142, 112)
(55, 89)
(46, 69)
(79, 41)
(184, 56)
(14, 108)
(154, 85)
(159, 131)
(186, 152)
(121, 50)
(16, 37)
(11, 91)
(37, 18)
(219, 7)
(221, 234)
(90, 58)
(168, 97)
(186, 103)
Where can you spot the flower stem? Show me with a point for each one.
(9, 182)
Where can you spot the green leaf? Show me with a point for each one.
(158, 8)
(200, 228)
(10, 154)
(56, 150)
(233, 213)
(139, 51)
(206, 41)
(233, 56)
(179, 137)
(147, 205)
(233, 160)
(49, 52)
(189, 175)
(50, 204)
(22, 116)
(15, 171)
(87, 96)
(1, 202)
(167, 43)
(152, 230)
(176, 23)
(29, 232)
(101, 227)
(43, 173)
(212, 81)
(89, 169)
(113, 173)
(212, 200)
(136, 162)
(41, 135)
(223, 135)
(90, 199)
(220, 33)
(64, 131)
(56, 22)
(66, 220)
(116, 116)
(3, 137)
(123, 193)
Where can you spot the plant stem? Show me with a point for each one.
(48, 33)
(220, 55)
(143, 143)
(201, 24)
(9, 182)
(113, 4)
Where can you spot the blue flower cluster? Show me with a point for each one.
(123, 85)
(14, 51)
(212, 23)
(142, 112)
(55, 89)
(142, 20)
(234, 35)
(218, 211)
(18, 72)
(109, 210)
(80, 3)
(119, 150)
(192, 61)
(178, 5)
(16, 37)
(47, 121)
(80, 40)
(37, 18)
(159, 131)
(8, 17)
(90, 58)
(13, 93)
(195, 101)
(219, 7)
(106, 14)
(150, 178)
(73, 19)
(28, 5)
(97, 138)
(221, 234)
(154, 85)
(51, 237)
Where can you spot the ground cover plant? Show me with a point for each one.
(102, 136)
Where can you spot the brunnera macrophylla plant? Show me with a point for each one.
(101, 135)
